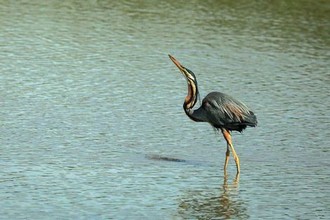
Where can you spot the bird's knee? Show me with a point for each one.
(237, 160)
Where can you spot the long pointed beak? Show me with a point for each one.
(181, 68)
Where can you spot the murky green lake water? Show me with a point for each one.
(88, 97)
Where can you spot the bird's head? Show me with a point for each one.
(193, 93)
(188, 74)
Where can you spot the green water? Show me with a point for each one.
(88, 96)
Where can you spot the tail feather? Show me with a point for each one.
(250, 120)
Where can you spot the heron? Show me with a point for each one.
(222, 111)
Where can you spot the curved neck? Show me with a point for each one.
(190, 102)
(197, 115)
(189, 112)
(191, 97)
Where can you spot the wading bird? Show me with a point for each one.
(222, 111)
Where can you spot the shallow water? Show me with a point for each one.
(91, 105)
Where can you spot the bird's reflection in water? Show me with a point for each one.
(204, 205)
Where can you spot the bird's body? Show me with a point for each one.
(222, 111)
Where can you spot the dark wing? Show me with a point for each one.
(223, 111)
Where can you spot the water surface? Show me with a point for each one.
(89, 99)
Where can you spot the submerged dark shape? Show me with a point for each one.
(164, 158)
(222, 111)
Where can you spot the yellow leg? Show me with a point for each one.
(236, 180)
(226, 160)
(235, 158)
(227, 136)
